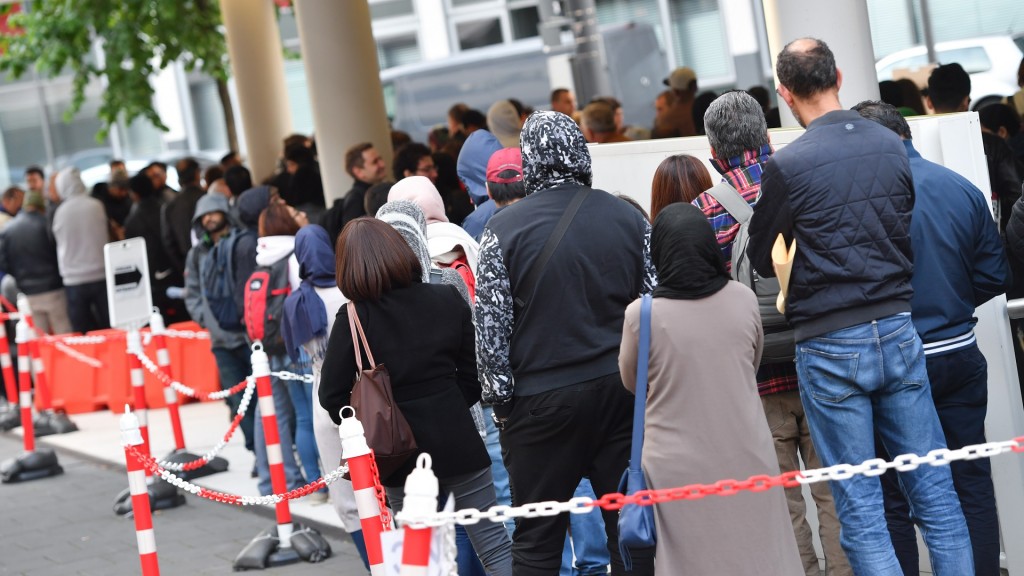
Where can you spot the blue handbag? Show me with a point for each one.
(636, 523)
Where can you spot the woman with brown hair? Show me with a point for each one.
(431, 359)
(679, 178)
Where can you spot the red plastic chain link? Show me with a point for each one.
(7, 304)
(757, 483)
(167, 380)
(151, 464)
(1020, 444)
(385, 515)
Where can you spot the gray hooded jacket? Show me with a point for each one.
(80, 229)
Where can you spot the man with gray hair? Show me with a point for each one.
(740, 147)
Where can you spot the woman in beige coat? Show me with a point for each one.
(704, 421)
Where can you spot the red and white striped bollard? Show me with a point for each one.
(163, 360)
(275, 459)
(133, 346)
(10, 380)
(421, 490)
(22, 335)
(361, 469)
(137, 487)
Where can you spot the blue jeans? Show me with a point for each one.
(872, 378)
(285, 424)
(469, 564)
(588, 540)
(959, 383)
(87, 306)
(301, 394)
(233, 366)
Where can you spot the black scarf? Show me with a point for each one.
(689, 262)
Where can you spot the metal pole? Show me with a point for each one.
(929, 38)
(589, 70)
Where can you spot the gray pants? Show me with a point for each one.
(490, 539)
(50, 312)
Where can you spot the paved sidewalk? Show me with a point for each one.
(65, 525)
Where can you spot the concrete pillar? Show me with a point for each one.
(742, 35)
(339, 55)
(257, 63)
(434, 39)
(843, 26)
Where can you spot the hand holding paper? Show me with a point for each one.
(782, 262)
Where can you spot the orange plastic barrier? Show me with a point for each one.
(194, 363)
(72, 384)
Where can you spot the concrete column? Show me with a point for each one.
(434, 40)
(742, 36)
(257, 63)
(843, 26)
(339, 55)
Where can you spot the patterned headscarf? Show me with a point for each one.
(407, 218)
(554, 152)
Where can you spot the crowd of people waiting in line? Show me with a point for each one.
(519, 381)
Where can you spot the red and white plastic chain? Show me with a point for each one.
(180, 388)
(385, 515)
(757, 483)
(205, 459)
(149, 463)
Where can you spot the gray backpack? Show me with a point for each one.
(779, 345)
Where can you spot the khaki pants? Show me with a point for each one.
(792, 436)
(50, 312)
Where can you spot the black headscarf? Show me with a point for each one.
(686, 255)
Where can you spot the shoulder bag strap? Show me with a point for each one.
(357, 328)
(533, 276)
(732, 201)
(640, 402)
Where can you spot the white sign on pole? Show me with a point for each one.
(128, 296)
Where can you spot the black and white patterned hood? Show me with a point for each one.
(554, 152)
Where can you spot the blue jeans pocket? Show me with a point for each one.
(913, 358)
(828, 377)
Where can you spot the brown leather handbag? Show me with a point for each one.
(387, 431)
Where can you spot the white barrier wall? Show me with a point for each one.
(952, 140)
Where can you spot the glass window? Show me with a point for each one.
(209, 114)
(479, 33)
(397, 51)
(460, 3)
(912, 63)
(525, 22)
(699, 38)
(973, 59)
(390, 9)
(21, 134)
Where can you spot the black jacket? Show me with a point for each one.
(424, 335)
(145, 222)
(29, 253)
(344, 209)
(845, 192)
(176, 226)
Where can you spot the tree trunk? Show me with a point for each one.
(229, 114)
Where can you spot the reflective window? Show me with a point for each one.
(479, 33)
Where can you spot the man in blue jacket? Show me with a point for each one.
(963, 267)
(843, 190)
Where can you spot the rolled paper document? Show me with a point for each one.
(782, 262)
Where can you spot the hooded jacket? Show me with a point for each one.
(28, 252)
(472, 170)
(80, 230)
(445, 241)
(571, 327)
(194, 299)
(250, 204)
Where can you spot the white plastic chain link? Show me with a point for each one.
(268, 500)
(307, 378)
(242, 407)
(839, 472)
(76, 340)
(83, 358)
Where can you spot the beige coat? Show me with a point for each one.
(704, 422)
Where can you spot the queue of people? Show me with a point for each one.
(501, 292)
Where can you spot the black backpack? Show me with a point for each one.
(779, 345)
(265, 293)
(217, 278)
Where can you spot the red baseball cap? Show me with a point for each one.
(502, 160)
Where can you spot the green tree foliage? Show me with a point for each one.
(139, 38)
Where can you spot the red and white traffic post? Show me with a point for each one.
(421, 490)
(163, 360)
(133, 346)
(10, 381)
(275, 458)
(365, 485)
(131, 436)
(22, 336)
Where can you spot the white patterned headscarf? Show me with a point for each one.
(554, 152)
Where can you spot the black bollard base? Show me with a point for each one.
(214, 466)
(41, 463)
(59, 422)
(265, 551)
(11, 418)
(42, 425)
(161, 497)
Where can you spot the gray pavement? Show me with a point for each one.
(64, 525)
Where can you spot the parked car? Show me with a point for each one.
(992, 62)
